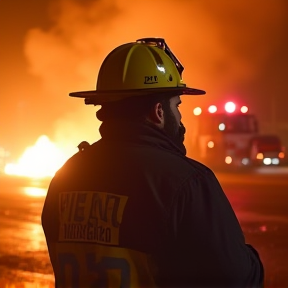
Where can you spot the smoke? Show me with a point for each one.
(224, 46)
(67, 58)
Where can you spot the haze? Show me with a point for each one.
(235, 50)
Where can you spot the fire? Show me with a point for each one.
(38, 161)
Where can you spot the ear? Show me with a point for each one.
(156, 115)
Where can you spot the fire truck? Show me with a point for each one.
(229, 136)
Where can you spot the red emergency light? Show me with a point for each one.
(230, 107)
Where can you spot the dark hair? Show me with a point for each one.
(134, 109)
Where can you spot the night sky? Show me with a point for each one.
(235, 50)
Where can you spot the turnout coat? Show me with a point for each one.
(131, 210)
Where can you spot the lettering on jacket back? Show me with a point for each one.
(90, 216)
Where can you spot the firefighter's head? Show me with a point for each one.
(140, 81)
(158, 110)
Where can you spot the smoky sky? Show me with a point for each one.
(232, 49)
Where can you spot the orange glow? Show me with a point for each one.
(281, 155)
(228, 160)
(212, 109)
(197, 111)
(35, 191)
(39, 161)
(259, 156)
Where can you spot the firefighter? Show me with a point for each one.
(131, 210)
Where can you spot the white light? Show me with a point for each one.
(212, 109)
(267, 161)
(245, 161)
(275, 161)
(230, 107)
(221, 127)
(244, 109)
(197, 111)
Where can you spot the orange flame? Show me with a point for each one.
(38, 161)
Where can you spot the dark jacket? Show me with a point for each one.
(132, 210)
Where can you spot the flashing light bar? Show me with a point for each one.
(229, 107)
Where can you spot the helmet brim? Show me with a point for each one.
(99, 97)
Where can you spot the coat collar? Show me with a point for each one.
(140, 133)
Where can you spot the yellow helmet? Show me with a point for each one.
(144, 67)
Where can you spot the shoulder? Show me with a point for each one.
(197, 170)
(200, 182)
(81, 157)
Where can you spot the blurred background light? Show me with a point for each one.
(244, 109)
(228, 159)
(197, 111)
(230, 107)
(221, 126)
(212, 109)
